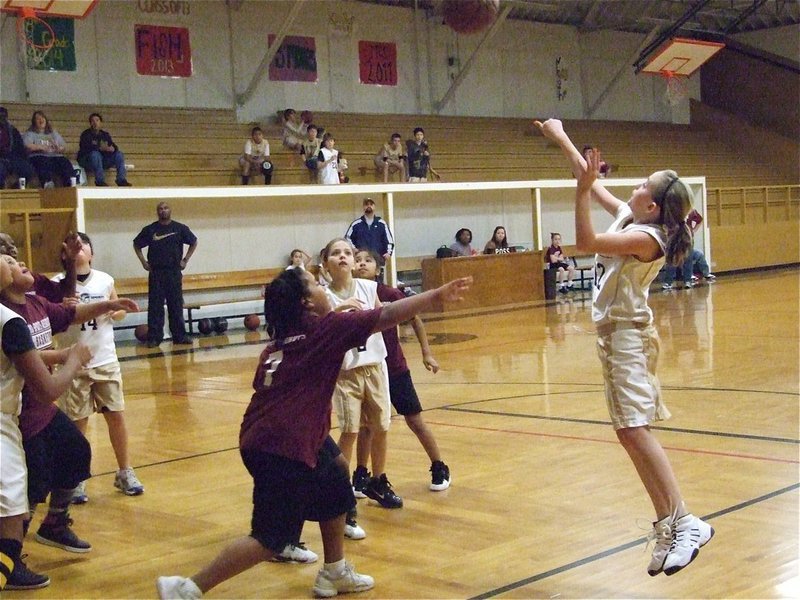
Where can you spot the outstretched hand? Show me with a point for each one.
(454, 291)
(589, 175)
(72, 246)
(552, 129)
(124, 304)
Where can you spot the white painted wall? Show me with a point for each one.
(514, 76)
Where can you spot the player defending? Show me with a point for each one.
(401, 388)
(649, 229)
(98, 388)
(284, 439)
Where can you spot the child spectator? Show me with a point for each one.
(284, 439)
(310, 151)
(328, 161)
(419, 158)
(21, 365)
(298, 259)
(391, 158)
(362, 389)
(342, 168)
(294, 130)
(556, 259)
(463, 243)
(256, 157)
(98, 388)
(499, 242)
(402, 393)
(46, 151)
(647, 230)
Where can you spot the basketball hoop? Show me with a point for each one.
(27, 24)
(677, 87)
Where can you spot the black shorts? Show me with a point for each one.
(59, 457)
(286, 493)
(403, 395)
(560, 265)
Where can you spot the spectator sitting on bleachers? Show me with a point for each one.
(342, 168)
(98, 152)
(605, 168)
(419, 158)
(499, 242)
(310, 151)
(462, 245)
(556, 259)
(13, 157)
(294, 130)
(46, 148)
(390, 158)
(256, 157)
(328, 161)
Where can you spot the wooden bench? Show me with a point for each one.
(226, 280)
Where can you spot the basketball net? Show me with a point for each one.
(677, 88)
(35, 52)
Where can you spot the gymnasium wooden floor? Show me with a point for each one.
(544, 502)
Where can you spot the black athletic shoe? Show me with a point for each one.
(380, 490)
(440, 476)
(22, 578)
(360, 482)
(60, 535)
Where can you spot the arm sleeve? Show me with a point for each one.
(389, 238)
(16, 337)
(189, 238)
(49, 290)
(60, 316)
(143, 239)
(58, 139)
(248, 147)
(110, 142)
(85, 144)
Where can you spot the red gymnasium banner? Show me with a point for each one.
(377, 63)
(296, 59)
(163, 51)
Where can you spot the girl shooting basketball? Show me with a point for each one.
(649, 229)
(284, 439)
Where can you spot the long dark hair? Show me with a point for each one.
(504, 243)
(283, 303)
(674, 199)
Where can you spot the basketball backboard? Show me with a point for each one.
(680, 56)
(73, 9)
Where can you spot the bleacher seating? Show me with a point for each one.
(200, 147)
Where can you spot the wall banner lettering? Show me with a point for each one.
(163, 51)
(61, 57)
(377, 63)
(296, 59)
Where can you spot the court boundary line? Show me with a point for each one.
(622, 547)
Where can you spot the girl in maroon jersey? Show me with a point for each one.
(284, 439)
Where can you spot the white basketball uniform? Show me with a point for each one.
(99, 385)
(362, 390)
(329, 174)
(627, 343)
(13, 472)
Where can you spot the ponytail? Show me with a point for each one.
(283, 303)
(674, 198)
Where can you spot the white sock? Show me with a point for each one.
(336, 569)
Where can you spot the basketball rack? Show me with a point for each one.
(676, 61)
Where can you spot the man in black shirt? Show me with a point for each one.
(13, 156)
(98, 152)
(165, 239)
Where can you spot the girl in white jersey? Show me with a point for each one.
(649, 229)
(363, 384)
(98, 388)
